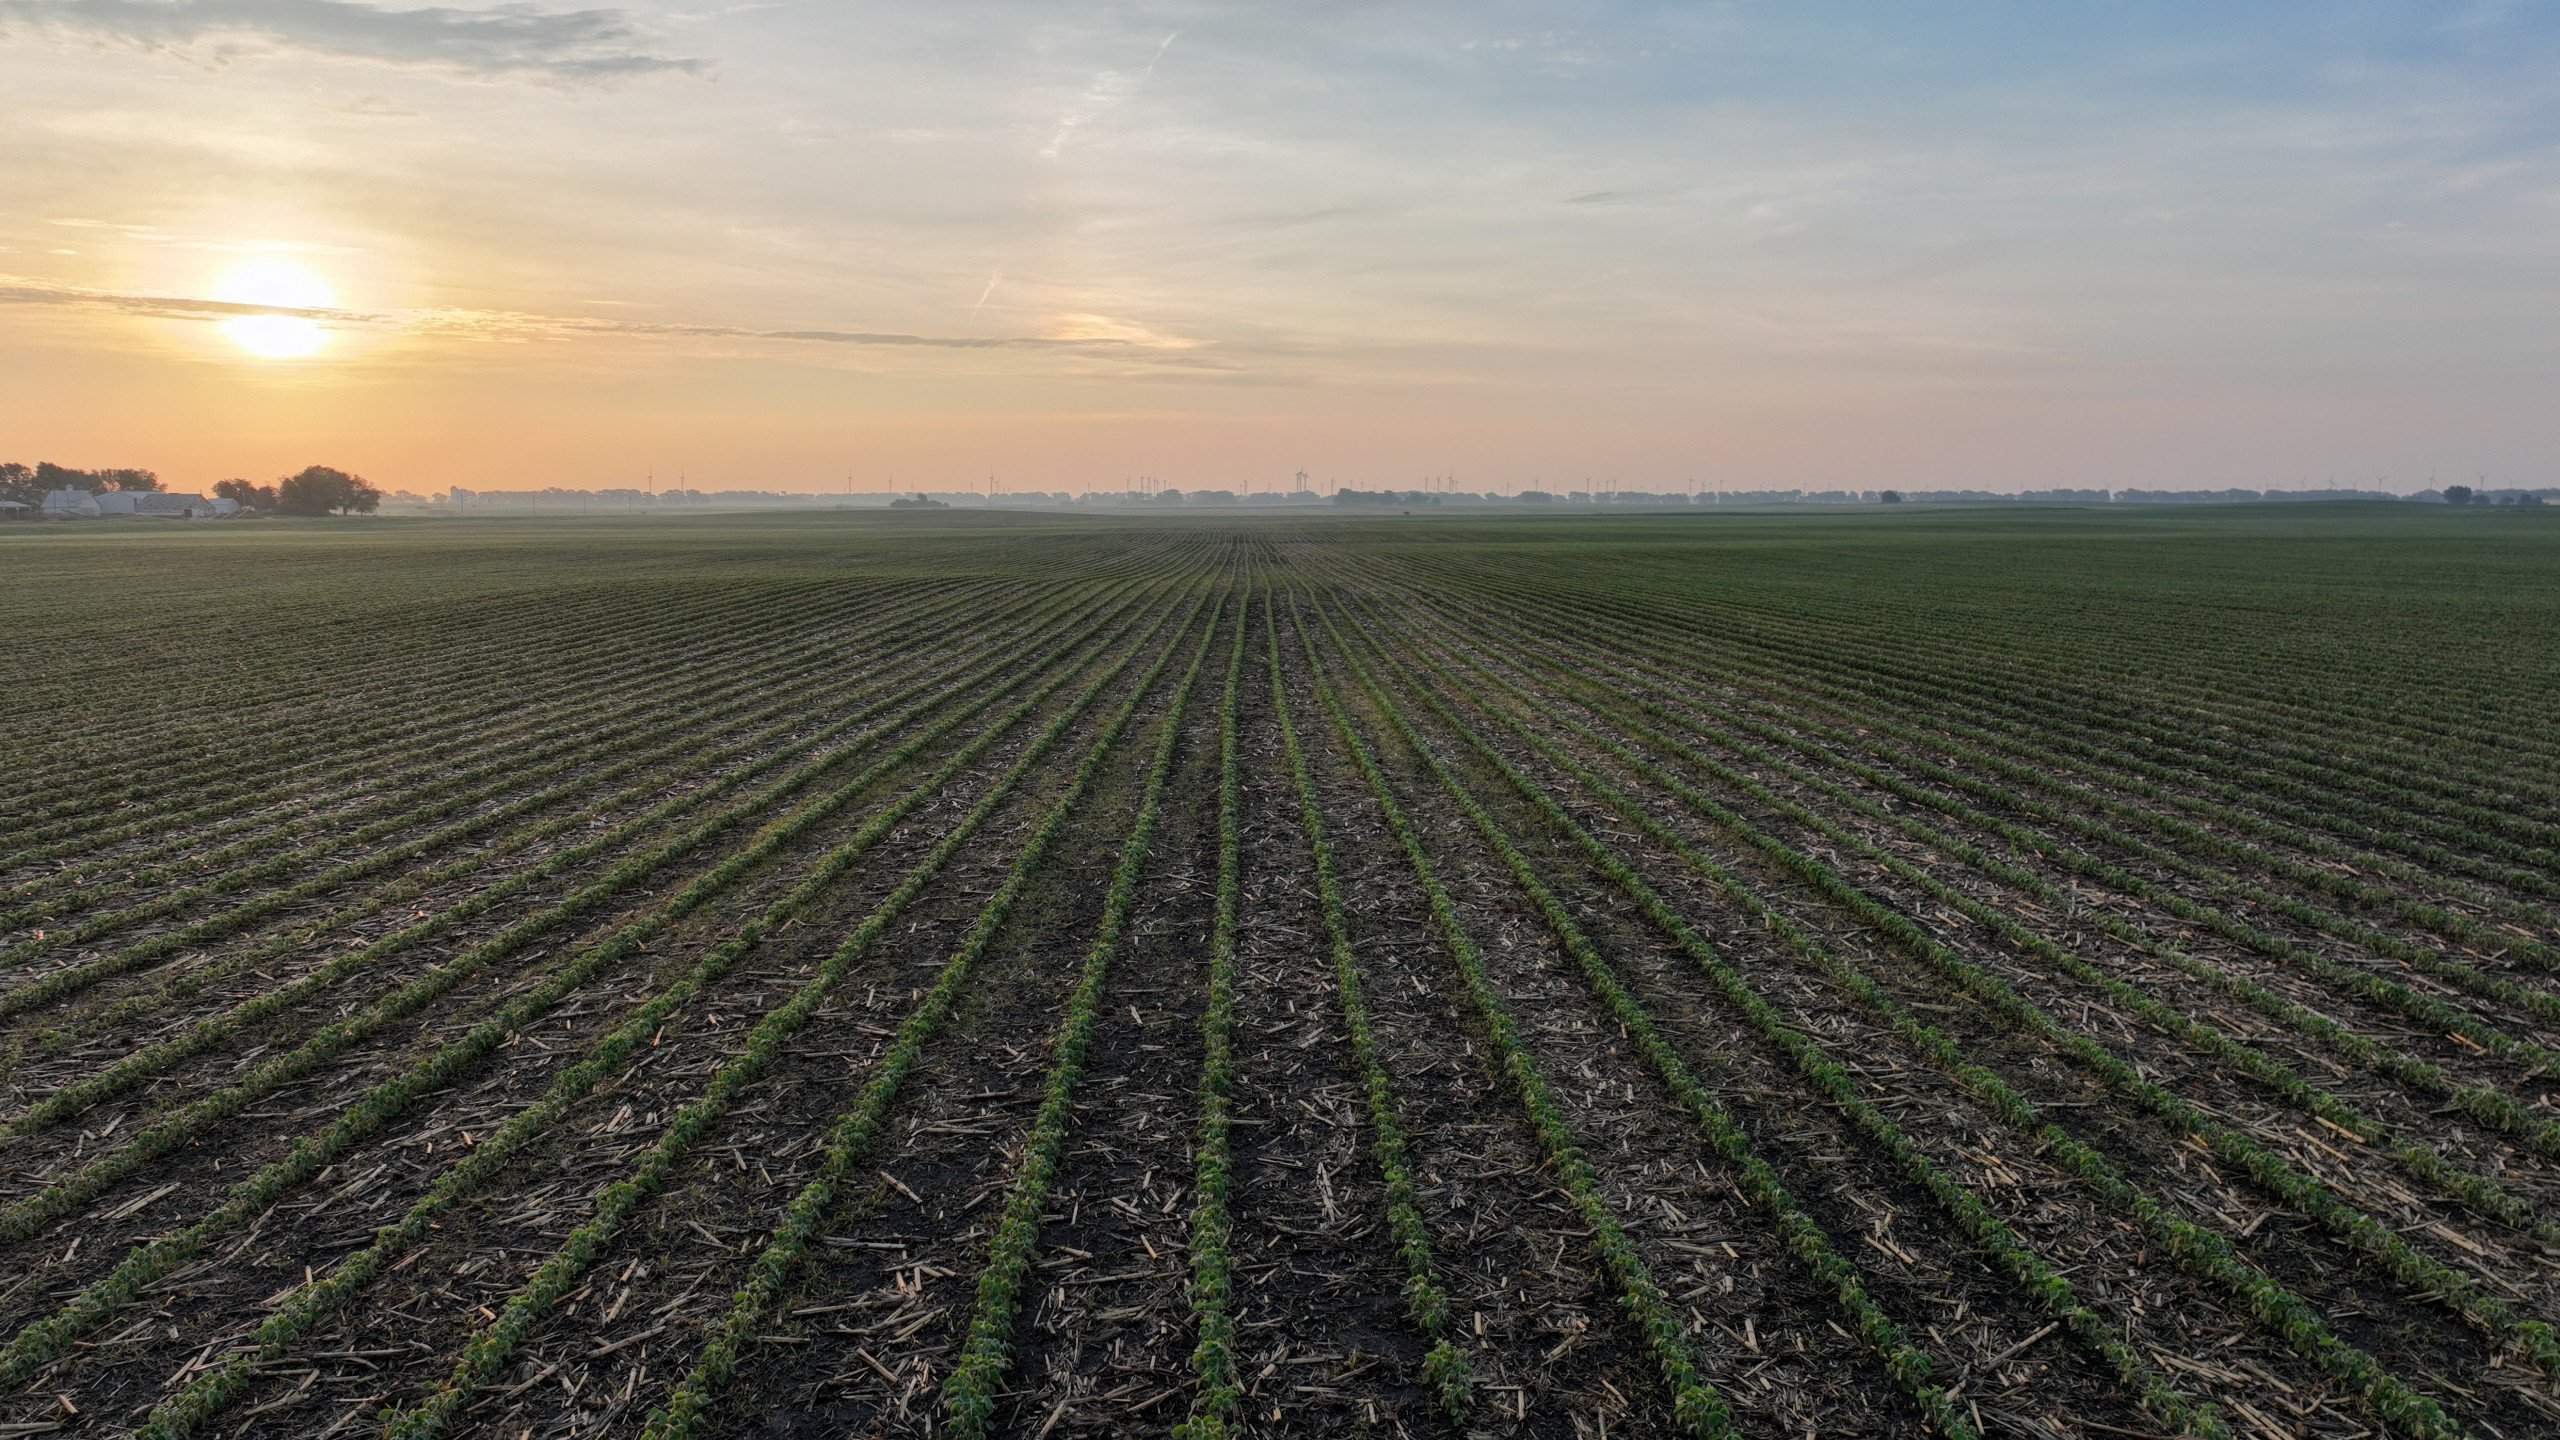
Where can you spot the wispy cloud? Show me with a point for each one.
(1083, 332)
(1108, 89)
(153, 235)
(1637, 196)
(505, 40)
(16, 291)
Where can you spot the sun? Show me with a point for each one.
(287, 286)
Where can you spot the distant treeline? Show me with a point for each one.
(2451, 494)
(313, 490)
(29, 484)
(556, 497)
(566, 500)
(320, 489)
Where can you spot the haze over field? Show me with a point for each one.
(772, 246)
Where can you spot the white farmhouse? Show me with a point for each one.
(176, 506)
(166, 505)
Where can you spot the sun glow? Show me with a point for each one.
(286, 286)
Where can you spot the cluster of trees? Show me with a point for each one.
(28, 485)
(315, 490)
(1169, 496)
(2465, 495)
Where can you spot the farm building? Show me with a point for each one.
(176, 506)
(168, 506)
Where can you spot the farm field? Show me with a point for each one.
(1966, 973)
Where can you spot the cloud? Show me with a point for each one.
(995, 277)
(15, 291)
(222, 245)
(515, 325)
(503, 40)
(1637, 196)
(1086, 333)
(1108, 89)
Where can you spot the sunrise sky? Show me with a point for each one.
(771, 245)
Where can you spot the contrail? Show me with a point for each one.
(1108, 89)
(995, 277)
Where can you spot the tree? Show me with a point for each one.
(2457, 494)
(19, 483)
(322, 490)
(251, 495)
(1891, 497)
(50, 477)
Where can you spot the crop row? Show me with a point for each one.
(723, 768)
(851, 1134)
(440, 712)
(2041, 1281)
(2482, 1192)
(548, 744)
(916, 698)
(1696, 1405)
(1859, 730)
(211, 1392)
(2021, 751)
(470, 711)
(367, 1116)
(2294, 1318)
(1445, 1367)
(970, 1394)
(1622, 690)
(489, 1351)
(2345, 724)
(1917, 688)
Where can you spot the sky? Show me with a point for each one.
(802, 246)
